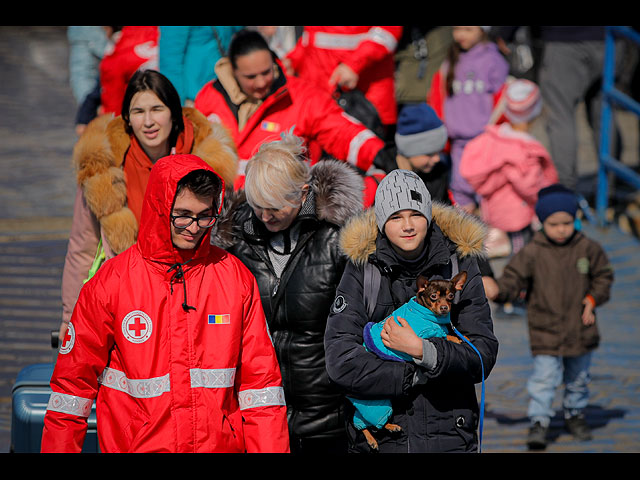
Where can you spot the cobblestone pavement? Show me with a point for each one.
(614, 407)
(36, 200)
(36, 197)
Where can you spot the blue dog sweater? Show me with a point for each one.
(426, 324)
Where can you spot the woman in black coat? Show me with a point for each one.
(433, 397)
(285, 228)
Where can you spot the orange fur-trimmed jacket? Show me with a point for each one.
(100, 209)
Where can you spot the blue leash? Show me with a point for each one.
(454, 270)
(482, 394)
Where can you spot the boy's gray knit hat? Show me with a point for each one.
(401, 190)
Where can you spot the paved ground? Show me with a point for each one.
(614, 407)
(36, 196)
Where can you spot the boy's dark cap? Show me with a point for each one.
(419, 131)
(556, 198)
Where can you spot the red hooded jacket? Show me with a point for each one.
(168, 378)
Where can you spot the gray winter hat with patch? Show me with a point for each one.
(401, 190)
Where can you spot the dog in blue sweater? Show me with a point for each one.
(428, 315)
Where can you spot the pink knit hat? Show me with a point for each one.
(523, 101)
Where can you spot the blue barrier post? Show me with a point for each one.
(610, 95)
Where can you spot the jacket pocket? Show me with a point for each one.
(136, 427)
(232, 428)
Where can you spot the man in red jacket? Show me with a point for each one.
(170, 338)
(257, 102)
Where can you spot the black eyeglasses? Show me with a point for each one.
(183, 221)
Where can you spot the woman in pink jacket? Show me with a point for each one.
(507, 166)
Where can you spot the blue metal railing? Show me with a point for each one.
(610, 97)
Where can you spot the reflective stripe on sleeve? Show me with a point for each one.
(263, 397)
(342, 41)
(137, 388)
(63, 403)
(356, 144)
(334, 41)
(212, 377)
(384, 38)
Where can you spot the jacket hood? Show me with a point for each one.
(337, 193)
(358, 236)
(504, 133)
(154, 240)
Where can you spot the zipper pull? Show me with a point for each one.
(275, 289)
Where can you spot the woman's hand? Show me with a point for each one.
(401, 337)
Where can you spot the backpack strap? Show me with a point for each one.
(370, 287)
(454, 271)
(98, 260)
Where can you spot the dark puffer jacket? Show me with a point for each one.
(437, 410)
(297, 305)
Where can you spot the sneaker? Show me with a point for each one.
(577, 426)
(537, 438)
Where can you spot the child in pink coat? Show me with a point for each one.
(507, 166)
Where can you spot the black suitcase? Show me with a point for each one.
(30, 396)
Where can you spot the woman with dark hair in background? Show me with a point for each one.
(254, 98)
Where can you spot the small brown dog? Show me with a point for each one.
(437, 296)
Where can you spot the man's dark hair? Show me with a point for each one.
(201, 183)
(245, 42)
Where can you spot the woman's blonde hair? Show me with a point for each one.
(277, 173)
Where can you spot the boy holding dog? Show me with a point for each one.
(566, 275)
(433, 396)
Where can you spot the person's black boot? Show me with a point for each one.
(578, 427)
(537, 438)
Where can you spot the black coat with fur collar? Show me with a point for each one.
(297, 305)
(437, 410)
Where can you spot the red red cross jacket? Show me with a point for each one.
(166, 378)
(312, 113)
(367, 50)
(134, 48)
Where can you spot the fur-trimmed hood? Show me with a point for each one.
(98, 157)
(358, 236)
(337, 192)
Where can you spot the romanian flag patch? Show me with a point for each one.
(270, 126)
(221, 319)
